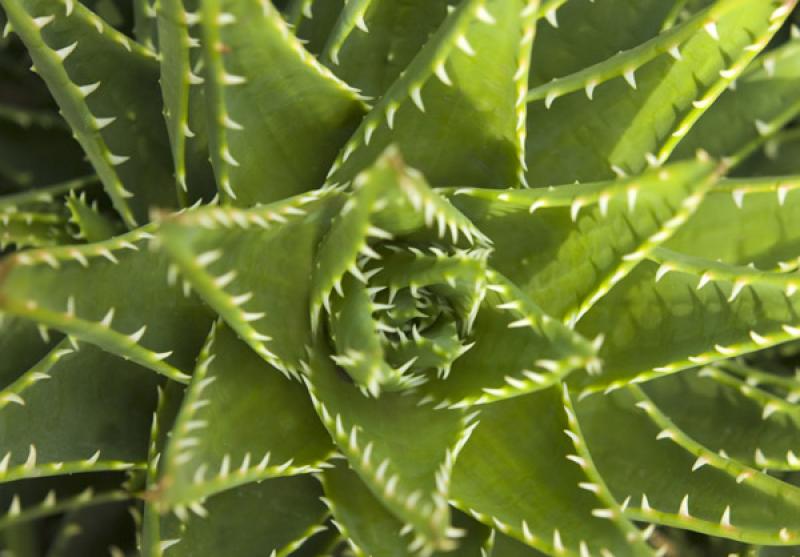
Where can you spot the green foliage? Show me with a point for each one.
(386, 278)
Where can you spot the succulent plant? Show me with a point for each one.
(384, 278)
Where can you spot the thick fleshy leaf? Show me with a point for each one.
(764, 101)
(272, 517)
(184, 100)
(91, 224)
(779, 157)
(631, 110)
(675, 312)
(455, 112)
(785, 386)
(21, 345)
(666, 477)
(79, 410)
(313, 21)
(409, 473)
(375, 40)
(209, 451)
(397, 295)
(516, 349)
(276, 117)
(581, 240)
(372, 530)
(76, 289)
(576, 35)
(253, 268)
(114, 114)
(724, 226)
(169, 404)
(145, 23)
(26, 500)
(723, 413)
(324, 543)
(37, 218)
(526, 471)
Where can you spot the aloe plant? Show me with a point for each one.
(385, 278)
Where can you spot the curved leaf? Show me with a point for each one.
(209, 451)
(668, 478)
(526, 471)
(276, 117)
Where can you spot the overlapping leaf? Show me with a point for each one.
(373, 41)
(723, 226)
(456, 111)
(79, 56)
(43, 425)
(760, 429)
(408, 473)
(666, 477)
(632, 109)
(210, 450)
(658, 321)
(372, 530)
(763, 101)
(253, 268)
(527, 471)
(75, 289)
(276, 117)
(581, 240)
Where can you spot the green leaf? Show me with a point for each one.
(209, 451)
(408, 473)
(786, 387)
(184, 99)
(313, 21)
(372, 530)
(169, 403)
(92, 225)
(454, 112)
(145, 25)
(778, 157)
(26, 500)
(722, 228)
(517, 349)
(272, 517)
(223, 254)
(581, 240)
(760, 430)
(75, 411)
(373, 41)
(764, 100)
(586, 33)
(22, 345)
(383, 297)
(23, 228)
(631, 110)
(666, 477)
(675, 312)
(76, 289)
(114, 115)
(322, 544)
(525, 470)
(37, 217)
(276, 117)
